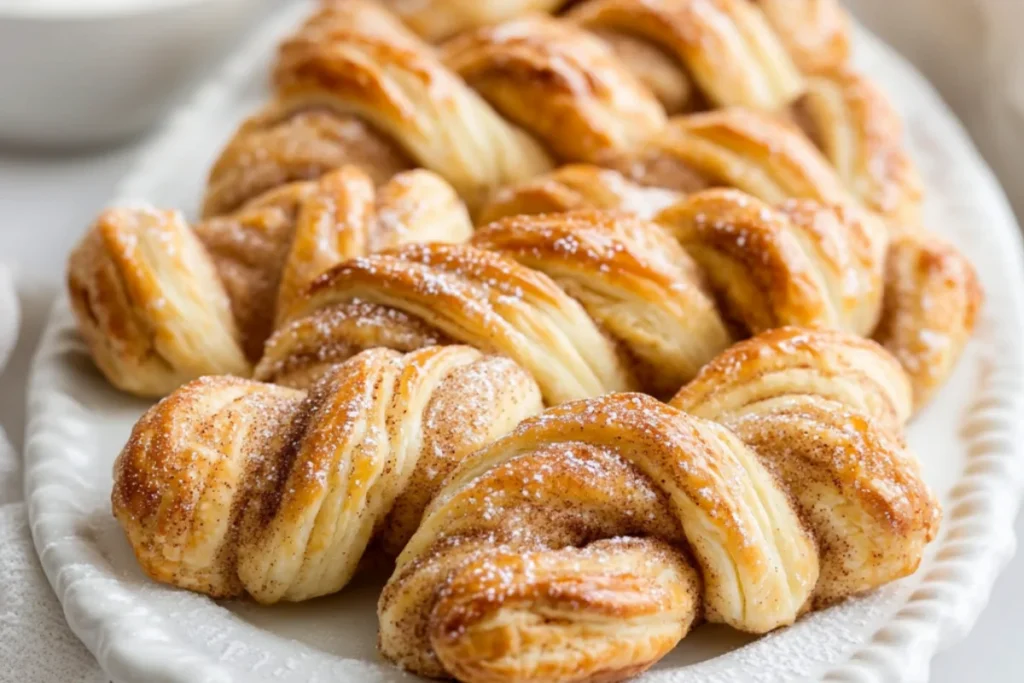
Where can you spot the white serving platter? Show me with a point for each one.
(969, 441)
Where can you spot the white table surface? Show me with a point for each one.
(45, 203)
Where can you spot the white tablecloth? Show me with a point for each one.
(969, 48)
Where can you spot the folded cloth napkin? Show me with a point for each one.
(35, 643)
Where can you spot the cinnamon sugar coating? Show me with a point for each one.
(231, 487)
(576, 186)
(772, 109)
(586, 543)
(160, 302)
(592, 302)
(559, 83)
(932, 299)
(726, 48)
(815, 33)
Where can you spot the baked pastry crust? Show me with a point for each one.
(932, 300)
(726, 48)
(231, 487)
(558, 82)
(592, 302)
(160, 303)
(145, 331)
(368, 66)
(861, 134)
(814, 32)
(577, 186)
(585, 544)
(499, 104)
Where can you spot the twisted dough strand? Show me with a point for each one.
(230, 487)
(592, 302)
(160, 302)
(362, 65)
(726, 47)
(815, 32)
(586, 543)
(354, 83)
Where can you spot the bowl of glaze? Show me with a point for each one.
(91, 72)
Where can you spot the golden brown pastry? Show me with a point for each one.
(861, 135)
(160, 302)
(577, 186)
(231, 487)
(932, 293)
(726, 47)
(814, 263)
(493, 103)
(741, 148)
(815, 32)
(439, 19)
(585, 544)
(277, 146)
(497, 105)
(593, 302)
(354, 62)
(559, 83)
(932, 298)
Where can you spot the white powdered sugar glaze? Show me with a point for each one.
(968, 441)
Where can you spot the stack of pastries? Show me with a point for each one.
(686, 228)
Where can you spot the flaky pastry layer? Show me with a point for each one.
(586, 543)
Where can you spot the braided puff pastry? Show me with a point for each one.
(585, 544)
(354, 64)
(815, 32)
(697, 53)
(230, 487)
(160, 302)
(773, 162)
(932, 292)
(592, 302)
(744, 246)
(577, 186)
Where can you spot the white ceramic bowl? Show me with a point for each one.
(90, 72)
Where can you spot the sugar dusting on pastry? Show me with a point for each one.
(602, 513)
(230, 486)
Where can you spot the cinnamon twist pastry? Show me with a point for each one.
(932, 292)
(160, 302)
(932, 299)
(499, 104)
(861, 135)
(463, 110)
(231, 487)
(814, 32)
(577, 186)
(594, 302)
(355, 63)
(453, 111)
(735, 57)
(721, 52)
(585, 544)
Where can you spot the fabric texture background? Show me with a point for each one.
(35, 643)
